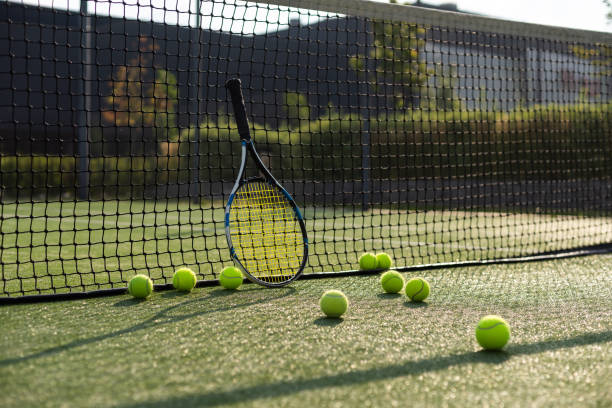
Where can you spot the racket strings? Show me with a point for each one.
(266, 234)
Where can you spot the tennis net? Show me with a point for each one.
(438, 137)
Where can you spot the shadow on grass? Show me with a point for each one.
(222, 292)
(171, 294)
(389, 295)
(417, 367)
(328, 321)
(130, 302)
(165, 316)
(415, 305)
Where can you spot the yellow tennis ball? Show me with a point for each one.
(367, 262)
(383, 261)
(184, 279)
(392, 281)
(417, 289)
(140, 286)
(492, 332)
(333, 303)
(231, 277)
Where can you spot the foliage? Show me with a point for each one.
(393, 63)
(599, 55)
(443, 94)
(295, 109)
(143, 97)
(540, 142)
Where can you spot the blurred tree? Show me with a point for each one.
(161, 106)
(599, 55)
(393, 63)
(144, 97)
(296, 109)
(444, 91)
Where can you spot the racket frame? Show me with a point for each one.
(248, 148)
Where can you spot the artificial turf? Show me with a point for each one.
(272, 347)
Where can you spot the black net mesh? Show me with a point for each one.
(433, 137)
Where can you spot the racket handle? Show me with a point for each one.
(235, 90)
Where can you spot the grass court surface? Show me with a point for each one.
(272, 347)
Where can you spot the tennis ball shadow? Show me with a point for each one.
(491, 356)
(222, 292)
(416, 305)
(175, 293)
(388, 295)
(328, 321)
(129, 302)
(255, 289)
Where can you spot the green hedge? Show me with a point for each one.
(540, 142)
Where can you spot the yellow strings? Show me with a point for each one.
(265, 232)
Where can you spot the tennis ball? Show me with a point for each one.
(140, 286)
(184, 279)
(417, 289)
(367, 262)
(383, 261)
(230, 278)
(392, 281)
(333, 303)
(492, 332)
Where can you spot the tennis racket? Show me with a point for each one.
(264, 228)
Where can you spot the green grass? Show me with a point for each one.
(62, 246)
(272, 347)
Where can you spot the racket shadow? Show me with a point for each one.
(163, 317)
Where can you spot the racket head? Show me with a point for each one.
(265, 232)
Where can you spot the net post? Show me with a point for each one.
(365, 159)
(84, 101)
(364, 112)
(194, 104)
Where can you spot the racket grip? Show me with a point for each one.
(235, 90)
